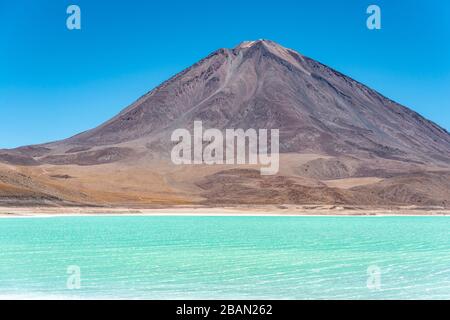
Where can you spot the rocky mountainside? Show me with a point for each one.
(332, 129)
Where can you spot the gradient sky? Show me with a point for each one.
(55, 83)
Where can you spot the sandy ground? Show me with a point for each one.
(351, 182)
(288, 210)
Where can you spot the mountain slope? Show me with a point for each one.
(263, 85)
(343, 128)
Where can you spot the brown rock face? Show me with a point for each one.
(263, 85)
(353, 131)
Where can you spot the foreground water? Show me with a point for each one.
(226, 257)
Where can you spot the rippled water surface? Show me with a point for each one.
(226, 257)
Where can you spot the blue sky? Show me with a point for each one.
(55, 83)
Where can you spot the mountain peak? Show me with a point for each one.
(251, 43)
(290, 56)
(269, 44)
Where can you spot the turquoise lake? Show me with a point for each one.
(198, 257)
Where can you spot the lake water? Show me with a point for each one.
(225, 257)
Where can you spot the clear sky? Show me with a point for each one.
(55, 83)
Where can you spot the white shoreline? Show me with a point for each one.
(217, 215)
(267, 211)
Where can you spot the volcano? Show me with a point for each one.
(340, 142)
